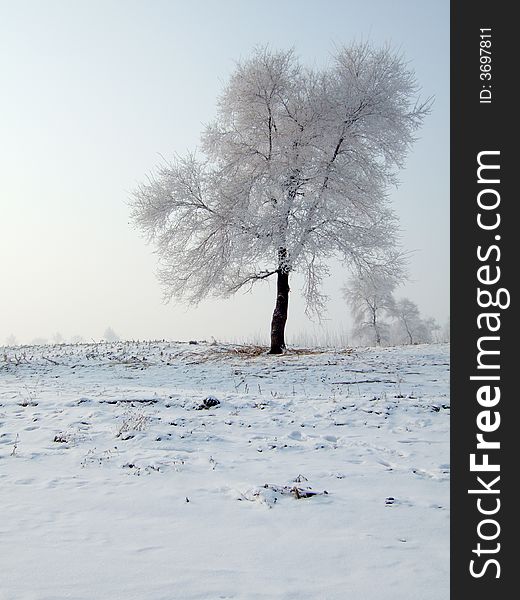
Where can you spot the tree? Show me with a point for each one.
(431, 330)
(11, 340)
(57, 338)
(446, 331)
(110, 335)
(410, 327)
(295, 171)
(370, 297)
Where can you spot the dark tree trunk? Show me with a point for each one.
(280, 310)
(376, 328)
(408, 332)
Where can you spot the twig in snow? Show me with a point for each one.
(15, 445)
(54, 362)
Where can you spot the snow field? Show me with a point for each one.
(115, 483)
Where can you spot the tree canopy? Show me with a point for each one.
(293, 171)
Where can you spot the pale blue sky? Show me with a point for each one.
(94, 90)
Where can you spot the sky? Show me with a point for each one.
(94, 92)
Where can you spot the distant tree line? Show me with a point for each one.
(381, 319)
(57, 338)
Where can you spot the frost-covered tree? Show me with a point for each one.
(370, 298)
(409, 326)
(57, 338)
(431, 330)
(110, 335)
(294, 171)
(11, 340)
(446, 331)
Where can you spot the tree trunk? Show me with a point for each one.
(376, 328)
(408, 332)
(280, 312)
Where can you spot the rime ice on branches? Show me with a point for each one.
(293, 171)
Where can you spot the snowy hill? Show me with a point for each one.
(160, 471)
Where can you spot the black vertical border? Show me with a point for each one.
(477, 127)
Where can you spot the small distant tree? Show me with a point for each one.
(409, 326)
(77, 339)
(431, 329)
(295, 171)
(57, 338)
(371, 300)
(110, 335)
(446, 331)
(11, 340)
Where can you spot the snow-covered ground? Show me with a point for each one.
(117, 483)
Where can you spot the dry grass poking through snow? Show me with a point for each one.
(253, 350)
(114, 464)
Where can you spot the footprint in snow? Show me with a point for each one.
(423, 474)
